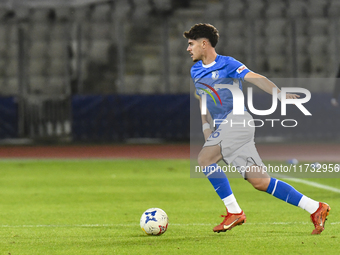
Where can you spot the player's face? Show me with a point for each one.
(195, 49)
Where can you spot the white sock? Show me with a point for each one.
(231, 204)
(308, 204)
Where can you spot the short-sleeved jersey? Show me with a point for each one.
(224, 70)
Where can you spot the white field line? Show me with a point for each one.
(309, 183)
(135, 225)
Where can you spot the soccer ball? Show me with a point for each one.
(154, 221)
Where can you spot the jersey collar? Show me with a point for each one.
(211, 64)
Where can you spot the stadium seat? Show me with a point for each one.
(276, 45)
(318, 51)
(101, 13)
(184, 84)
(56, 48)
(277, 64)
(12, 67)
(258, 25)
(57, 67)
(303, 64)
(162, 5)
(58, 30)
(235, 9)
(175, 83)
(80, 14)
(334, 8)
(316, 8)
(175, 65)
(37, 84)
(297, 8)
(318, 26)
(186, 65)
(276, 27)
(102, 31)
(37, 66)
(12, 33)
(235, 46)
(151, 84)
(235, 28)
(318, 45)
(38, 49)
(177, 45)
(12, 87)
(3, 64)
(122, 7)
(56, 85)
(39, 15)
(63, 13)
(3, 32)
(320, 65)
(39, 31)
(259, 45)
(301, 26)
(3, 47)
(255, 8)
(213, 11)
(99, 51)
(180, 84)
(275, 9)
(132, 84)
(141, 10)
(152, 65)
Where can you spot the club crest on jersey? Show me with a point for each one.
(215, 75)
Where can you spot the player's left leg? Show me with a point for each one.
(282, 190)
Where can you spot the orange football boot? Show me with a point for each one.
(230, 220)
(319, 217)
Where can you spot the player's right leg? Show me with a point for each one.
(207, 159)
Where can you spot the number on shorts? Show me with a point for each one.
(215, 134)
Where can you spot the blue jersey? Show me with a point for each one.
(224, 70)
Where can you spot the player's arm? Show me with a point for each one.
(265, 84)
(205, 122)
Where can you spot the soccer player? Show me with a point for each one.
(235, 143)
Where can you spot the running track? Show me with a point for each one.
(302, 152)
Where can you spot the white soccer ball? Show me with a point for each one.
(154, 221)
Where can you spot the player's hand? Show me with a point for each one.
(292, 96)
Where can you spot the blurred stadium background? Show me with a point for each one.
(118, 71)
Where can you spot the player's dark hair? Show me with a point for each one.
(203, 31)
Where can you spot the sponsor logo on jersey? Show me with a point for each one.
(241, 69)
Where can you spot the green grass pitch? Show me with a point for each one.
(94, 207)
